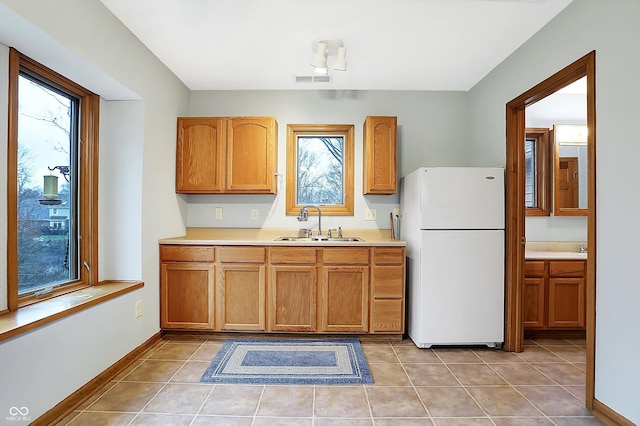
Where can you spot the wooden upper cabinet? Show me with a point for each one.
(380, 155)
(234, 155)
(251, 155)
(200, 155)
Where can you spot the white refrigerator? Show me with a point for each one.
(452, 219)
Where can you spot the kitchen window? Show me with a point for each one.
(52, 208)
(320, 168)
(537, 174)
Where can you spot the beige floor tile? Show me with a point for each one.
(580, 365)
(68, 418)
(222, 421)
(430, 375)
(190, 372)
(475, 374)
(457, 355)
(178, 399)
(323, 421)
(282, 421)
(554, 400)
(569, 353)
(555, 342)
(102, 419)
(563, 373)
(496, 356)
(502, 401)
(395, 402)
(152, 370)
(93, 398)
(457, 421)
(207, 351)
(576, 421)
(379, 352)
(449, 402)
(152, 419)
(409, 353)
(175, 351)
(389, 375)
(577, 391)
(521, 374)
(395, 421)
(341, 401)
(538, 354)
(127, 370)
(233, 400)
(521, 421)
(286, 401)
(126, 397)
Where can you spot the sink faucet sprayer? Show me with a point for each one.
(303, 216)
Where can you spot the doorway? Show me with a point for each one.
(515, 207)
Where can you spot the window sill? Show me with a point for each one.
(38, 314)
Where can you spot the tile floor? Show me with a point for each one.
(544, 385)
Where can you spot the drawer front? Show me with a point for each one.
(566, 269)
(241, 254)
(534, 268)
(388, 256)
(388, 281)
(387, 316)
(346, 255)
(297, 255)
(180, 253)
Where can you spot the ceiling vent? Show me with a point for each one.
(313, 79)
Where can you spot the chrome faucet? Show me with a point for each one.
(303, 216)
(582, 248)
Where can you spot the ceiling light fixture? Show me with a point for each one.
(322, 49)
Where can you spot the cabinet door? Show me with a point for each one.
(186, 295)
(533, 302)
(241, 297)
(200, 155)
(292, 298)
(566, 303)
(387, 292)
(251, 155)
(344, 299)
(380, 155)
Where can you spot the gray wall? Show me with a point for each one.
(610, 27)
(429, 134)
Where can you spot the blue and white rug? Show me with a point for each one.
(339, 361)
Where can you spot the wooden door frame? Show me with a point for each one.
(515, 207)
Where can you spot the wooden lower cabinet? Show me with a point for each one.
(387, 291)
(554, 295)
(344, 299)
(292, 298)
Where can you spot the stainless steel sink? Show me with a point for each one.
(343, 239)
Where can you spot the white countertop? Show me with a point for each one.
(554, 250)
(268, 237)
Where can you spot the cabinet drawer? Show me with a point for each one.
(180, 253)
(387, 281)
(566, 269)
(297, 255)
(346, 255)
(388, 256)
(241, 254)
(387, 316)
(534, 268)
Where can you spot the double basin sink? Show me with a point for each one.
(316, 239)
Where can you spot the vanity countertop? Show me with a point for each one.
(555, 250)
(269, 237)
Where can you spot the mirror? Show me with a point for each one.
(570, 170)
(320, 168)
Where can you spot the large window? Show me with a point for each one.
(320, 168)
(52, 165)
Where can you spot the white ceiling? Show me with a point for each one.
(391, 44)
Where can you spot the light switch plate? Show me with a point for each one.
(218, 213)
(396, 212)
(138, 308)
(370, 214)
(255, 214)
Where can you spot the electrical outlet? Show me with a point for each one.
(138, 308)
(255, 214)
(218, 213)
(396, 212)
(370, 214)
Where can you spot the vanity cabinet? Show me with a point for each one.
(344, 292)
(380, 151)
(187, 287)
(554, 294)
(240, 288)
(292, 290)
(232, 155)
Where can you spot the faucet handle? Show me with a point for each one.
(330, 232)
(339, 231)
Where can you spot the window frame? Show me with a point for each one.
(87, 157)
(543, 182)
(329, 130)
